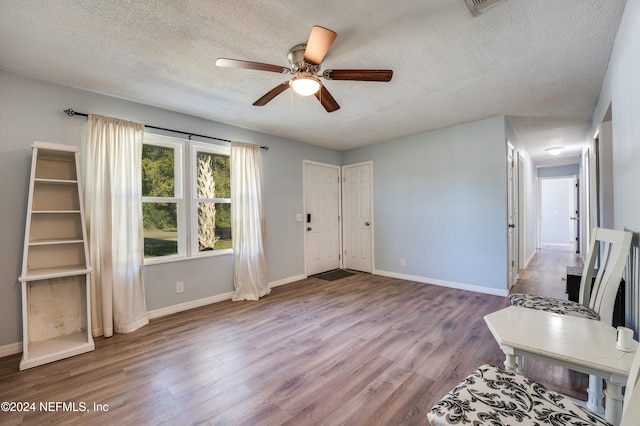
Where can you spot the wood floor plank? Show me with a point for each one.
(362, 350)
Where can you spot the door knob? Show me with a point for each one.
(366, 223)
(308, 228)
(511, 225)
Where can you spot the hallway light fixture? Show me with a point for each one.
(554, 150)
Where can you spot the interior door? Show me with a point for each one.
(512, 269)
(575, 218)
(358, 223)
(322, 216)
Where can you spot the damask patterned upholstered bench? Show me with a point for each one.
(494, 396)
(558, 306)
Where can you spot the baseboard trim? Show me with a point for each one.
(10, 349)
(526, 264)
(173, 309)
(157, 313)
(443, 283)
(288, 280)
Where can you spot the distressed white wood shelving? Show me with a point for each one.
(56, 315)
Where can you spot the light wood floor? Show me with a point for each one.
(364, 350)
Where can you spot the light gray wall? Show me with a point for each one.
(557, 171)
(621, 89)
(621, 92)
(439, 201)
(32, 110)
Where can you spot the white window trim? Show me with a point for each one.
(186, 197)
(193, 200)
(178, 149)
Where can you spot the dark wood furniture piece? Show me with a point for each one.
(574, 275)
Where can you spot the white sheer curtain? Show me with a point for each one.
(247, 223)
(113, 205)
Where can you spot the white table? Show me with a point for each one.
(582, 345)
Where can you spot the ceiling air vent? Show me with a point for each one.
(478, 6)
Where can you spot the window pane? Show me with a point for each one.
(160, 229)
(213, 176)
(214, 226)
(158, 174)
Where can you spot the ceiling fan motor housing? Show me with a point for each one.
(296, 59)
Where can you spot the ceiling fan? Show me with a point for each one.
(305, 60)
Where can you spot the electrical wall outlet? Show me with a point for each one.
(180, 287)
(402, 261)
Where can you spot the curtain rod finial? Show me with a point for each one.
(70, 112)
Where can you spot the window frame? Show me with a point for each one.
(197, 147)
(178, 196)
(185, 195)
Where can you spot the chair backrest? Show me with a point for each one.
(613, 246)
(631, 405)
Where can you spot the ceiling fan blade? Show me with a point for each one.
(272, 94)
(358, 75)
(319, 43)
(238, 63)
(327, 100)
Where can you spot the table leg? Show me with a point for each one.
(595, 397)
(613, 402)
(521, 360)
(510, 362)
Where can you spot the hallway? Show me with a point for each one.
(546, 273)
(546, 276)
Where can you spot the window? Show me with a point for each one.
(162, 200)
(211, 206)
(186, 205)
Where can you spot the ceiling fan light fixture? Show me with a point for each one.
(305, 85)
(554, 150)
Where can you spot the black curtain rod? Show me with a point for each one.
(71, 113)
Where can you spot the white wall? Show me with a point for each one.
(32, 110)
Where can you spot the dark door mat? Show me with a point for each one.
(334, 275)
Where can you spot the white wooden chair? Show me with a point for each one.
(596, 303)
(495, 396)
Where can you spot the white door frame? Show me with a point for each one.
(371, 218)
(571, 224)
(522, 220)
(304, 206)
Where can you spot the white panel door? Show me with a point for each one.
(511, 213)
(322, 215)
(356, 191)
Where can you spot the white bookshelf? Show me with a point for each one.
(56, 315)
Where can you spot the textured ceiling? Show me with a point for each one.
(541, 63)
